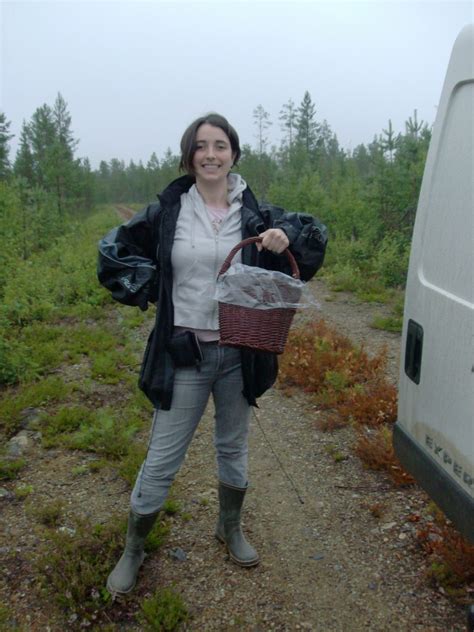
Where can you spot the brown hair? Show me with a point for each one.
(188, 141)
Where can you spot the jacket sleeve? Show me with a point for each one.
(127, 263)
(308, 237)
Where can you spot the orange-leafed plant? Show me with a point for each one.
(351, 386)
(339, 376)
(375, 448)
(451, 557)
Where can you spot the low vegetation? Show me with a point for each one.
(350, 387)
(66, 343)
(451, 557)
(163, 612)
(342, 379)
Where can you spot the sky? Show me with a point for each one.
(135, 74)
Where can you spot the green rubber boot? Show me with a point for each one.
(228, 529)
(123, 578)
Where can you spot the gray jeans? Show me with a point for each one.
(172, 430)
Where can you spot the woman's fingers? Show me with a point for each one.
(274, 239)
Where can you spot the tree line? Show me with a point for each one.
(366, 196)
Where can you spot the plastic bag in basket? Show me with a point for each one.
(257, 288)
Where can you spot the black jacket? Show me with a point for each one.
(135, 265)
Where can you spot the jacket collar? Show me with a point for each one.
(172, 194)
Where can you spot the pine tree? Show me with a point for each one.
(24, 166)
(62, 124)
(153, 163)
(307, 127)
(288, 117)
(42, 137)
(62, 167)
(262, 122)
(5, 137)
(47, 143)
(413, 127)
(389, 142)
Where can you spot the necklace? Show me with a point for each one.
(217, 216)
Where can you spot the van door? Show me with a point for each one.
(434, 433)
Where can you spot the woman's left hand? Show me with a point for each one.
(273, 239)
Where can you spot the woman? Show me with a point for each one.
(170, 254)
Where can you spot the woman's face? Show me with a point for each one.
(213, 158)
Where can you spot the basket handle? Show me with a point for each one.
(295, 273)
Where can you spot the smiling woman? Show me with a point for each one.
(171, 254)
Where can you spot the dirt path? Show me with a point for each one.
(328, 563)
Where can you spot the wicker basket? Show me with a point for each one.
(260, 329)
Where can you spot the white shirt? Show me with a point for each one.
(197, 256)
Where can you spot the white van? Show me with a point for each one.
(434, 433)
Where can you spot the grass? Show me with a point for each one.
(108, 366)
(388, 323)
(72, 567)
(10, 468)
(65, 324)
(393, 322)
(104, 433)
(65, 420)
(171, 506)
(49, 390)
(335, 453)
(73, 564)
(45, 289)
(131, 462)
(48, 514)
(22, 491)
(7, 619)
(164, 611)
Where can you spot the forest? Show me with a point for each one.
(367, 197)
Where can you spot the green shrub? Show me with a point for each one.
(157, 535)
(48, 390)
(65, 421)
(164, 611)
(10, 468)
(131, 462)
(73, 564)
(389, 323)
(90, 341)
(343, 277)
(391, 260)
(47, 282)
(16, 363)
(105, 368)
(104, 433)
(22, 491)
(48, 514)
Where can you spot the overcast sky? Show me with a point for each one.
(134, 74)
